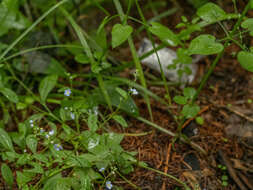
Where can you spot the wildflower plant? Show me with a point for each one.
(64, 135)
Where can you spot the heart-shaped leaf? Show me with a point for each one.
(211, 12)
(248, 24)
(120, 34)
(189, 92)
(205, 45)
(164, 34)
(246, 60)
(180, 100)
(46, 85)
(190, 111)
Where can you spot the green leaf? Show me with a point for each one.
(5, 140)
(164, 34)
(246, 60)
(7, 174)
(251, 4)
(189, 92)
(82, 58)
(46, 85)
(120, 120)
(122, 92)
(200, 120)
(92, 122)
(190, 111)
(10, 17)
(205, 45)
(180, 100)
(23, 178)
(9, 94)
(211, 12)
(120, 34)
(248, 24)
(31, 142)
(183, 57)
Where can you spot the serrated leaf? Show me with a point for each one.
(164, 33)
(7, 174)
(189, 92)
(246, 60)
(211, 12)
(180, 100)
(9, 94)
(31, 142)
(5, 140)
(190, 111)
(120, 120)
(46, 85)
(205, 45)
(120, 34)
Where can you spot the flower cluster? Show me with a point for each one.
(133, 91)
(50, 133)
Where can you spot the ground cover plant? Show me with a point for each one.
(79, 110)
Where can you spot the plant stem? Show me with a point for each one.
(153, 46)
(135, 58)
(165, 174)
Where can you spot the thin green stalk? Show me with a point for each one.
(88, 51)
(165, 174)
(166, 131)
(129, 182)
(13, 44)
(153, 46)
(211, 69)
(135, 58)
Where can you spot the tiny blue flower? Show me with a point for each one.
(31, 121)
(72, 115)
(102, 169)
(108, 185)
(67, 92)
(47, 136)
(31, 125)
(51, 132)
(57, 147)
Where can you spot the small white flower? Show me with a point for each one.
(52, 142)
(67, 92)
(51, 132)
(102, 169)
(47, 136)
(65, 108)
(25, 150)
(133, 91)
(72, 115)
(108, 185)
(31, 125)
(31, 121)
